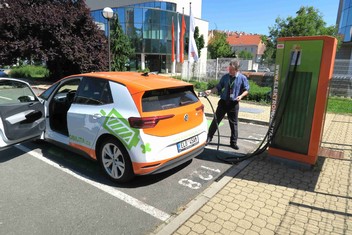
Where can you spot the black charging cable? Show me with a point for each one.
(203, 94)
(275, 121)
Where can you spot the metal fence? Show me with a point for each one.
(340, 85)
(341, 82)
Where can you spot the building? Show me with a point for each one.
(251, 43)
(148, 25)
(344, 24)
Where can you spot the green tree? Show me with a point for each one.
(199, 40)
(60, 33)
(308, 22)
(246, 55)
(121, 47)
(218, 46)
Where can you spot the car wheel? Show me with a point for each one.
(115, 161)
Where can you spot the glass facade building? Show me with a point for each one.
(148, 26)
(345, 20)
(344, 24)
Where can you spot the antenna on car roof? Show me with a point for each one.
(146, 74)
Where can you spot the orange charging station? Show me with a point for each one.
(303, 70)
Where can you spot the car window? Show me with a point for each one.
(168, 98)
(45, 95)
(12, 92)
(67, 90)
(94, 91)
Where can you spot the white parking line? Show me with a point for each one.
(112, 191)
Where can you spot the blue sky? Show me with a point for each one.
(256, 16)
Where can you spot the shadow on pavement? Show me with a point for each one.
(280, 172)
(9, 154)
(90, 169)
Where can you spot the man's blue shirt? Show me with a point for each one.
(239, 85)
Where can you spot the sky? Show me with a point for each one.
(256, 16)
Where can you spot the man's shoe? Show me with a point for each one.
(208, 141)
(234, 146)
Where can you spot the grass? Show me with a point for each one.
(29, 71)
(339, 105)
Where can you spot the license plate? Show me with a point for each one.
(188, 143)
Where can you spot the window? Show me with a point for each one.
(12, 92)
(94, 91)
(45, 95)
(168, 98)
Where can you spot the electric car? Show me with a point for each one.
(131, 123)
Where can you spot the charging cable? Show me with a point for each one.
(274, 123)
(203, 94)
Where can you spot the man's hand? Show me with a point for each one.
(207, 92)
(239, 98)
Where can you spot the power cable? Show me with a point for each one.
(273, 125)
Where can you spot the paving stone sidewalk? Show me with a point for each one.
(272, 196)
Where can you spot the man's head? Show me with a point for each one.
(234, 67)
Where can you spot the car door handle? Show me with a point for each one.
(96, 116)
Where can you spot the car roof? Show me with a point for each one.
(138, 82)
(14, 79)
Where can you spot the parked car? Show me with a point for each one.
(2, 73)
(132, 124)
(263, 69)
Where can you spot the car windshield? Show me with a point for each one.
(168, 98)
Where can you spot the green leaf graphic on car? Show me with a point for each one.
(118, 126)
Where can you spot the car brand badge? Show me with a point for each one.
(185, 117)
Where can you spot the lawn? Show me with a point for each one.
(339, 105)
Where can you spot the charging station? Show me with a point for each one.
(303, 70)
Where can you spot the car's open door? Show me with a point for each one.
(22, 114)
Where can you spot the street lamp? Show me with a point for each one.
(108, 14)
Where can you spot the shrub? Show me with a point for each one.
(202, 86)
(212, 83)
(29, 71)
(257, 93)
(146, 70)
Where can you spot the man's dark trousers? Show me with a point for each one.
(231, 109)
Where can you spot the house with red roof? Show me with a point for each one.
(247, 42)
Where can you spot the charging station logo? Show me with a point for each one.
(280, 46)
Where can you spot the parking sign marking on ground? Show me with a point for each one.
(112, 191)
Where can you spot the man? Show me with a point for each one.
(232, 88)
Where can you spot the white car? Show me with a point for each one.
(132, 123)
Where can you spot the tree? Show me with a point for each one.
(308, 22)
(246, 55)
(219, 47)
(121, 47)
(61, 34)
(199, 40)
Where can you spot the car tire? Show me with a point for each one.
(115, 161)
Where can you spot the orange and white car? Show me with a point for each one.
(132, 123)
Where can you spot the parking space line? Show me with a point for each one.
(108, 189)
